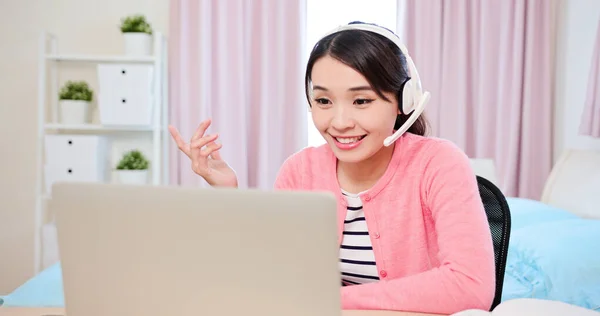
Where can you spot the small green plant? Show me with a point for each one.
(76, 90)
(133, 160)
(135, 24)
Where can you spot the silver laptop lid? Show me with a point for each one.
(156, 251)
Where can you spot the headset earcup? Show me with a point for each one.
(408, 101)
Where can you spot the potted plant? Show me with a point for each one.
(137, 33)
(133, 168)
(74, 102)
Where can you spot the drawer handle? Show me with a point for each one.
(70, 170)
(123, 71)
(70, 142)
(123, 100)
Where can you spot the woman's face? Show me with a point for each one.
(352, 118)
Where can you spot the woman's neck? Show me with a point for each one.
(361, 176)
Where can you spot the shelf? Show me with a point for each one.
(97, 127)
(102, 58)
(150, 137)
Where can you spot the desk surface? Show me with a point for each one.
(27, 311)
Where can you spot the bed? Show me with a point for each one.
(554, 248)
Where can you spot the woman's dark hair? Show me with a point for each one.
(377, 58)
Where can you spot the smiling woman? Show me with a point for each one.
(412, 231)
(396, 198)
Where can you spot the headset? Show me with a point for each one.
(414, 99)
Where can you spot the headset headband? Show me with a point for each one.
(414, 74)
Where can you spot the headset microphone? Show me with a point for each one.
(411, 120)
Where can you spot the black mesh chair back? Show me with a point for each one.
(498, 214)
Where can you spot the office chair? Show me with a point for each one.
(498, 214)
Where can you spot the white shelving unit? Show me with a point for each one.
(50, 60)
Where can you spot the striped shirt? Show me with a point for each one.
(357, 261)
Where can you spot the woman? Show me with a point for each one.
(412, 229)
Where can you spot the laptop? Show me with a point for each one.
(129, 250)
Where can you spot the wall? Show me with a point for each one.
(82, 26)
(577, 24)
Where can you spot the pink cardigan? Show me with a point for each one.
(430, 235)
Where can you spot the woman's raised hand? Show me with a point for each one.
(204, 154)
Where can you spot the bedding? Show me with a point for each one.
(553, 254)
(526, 212)
(43, 290)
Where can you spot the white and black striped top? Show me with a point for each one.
(357, 261)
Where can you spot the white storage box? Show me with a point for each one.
(125, 94)
(75, 158)
(75, 148)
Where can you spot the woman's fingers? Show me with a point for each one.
(185, 148)
(200, 147)
(202, 127)
(199, 143)
(211, 150)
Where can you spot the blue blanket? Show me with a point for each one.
(553, 255)
(44, 290)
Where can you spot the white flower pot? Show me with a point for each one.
(74, 111)
(138, 177)
(138, 44)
